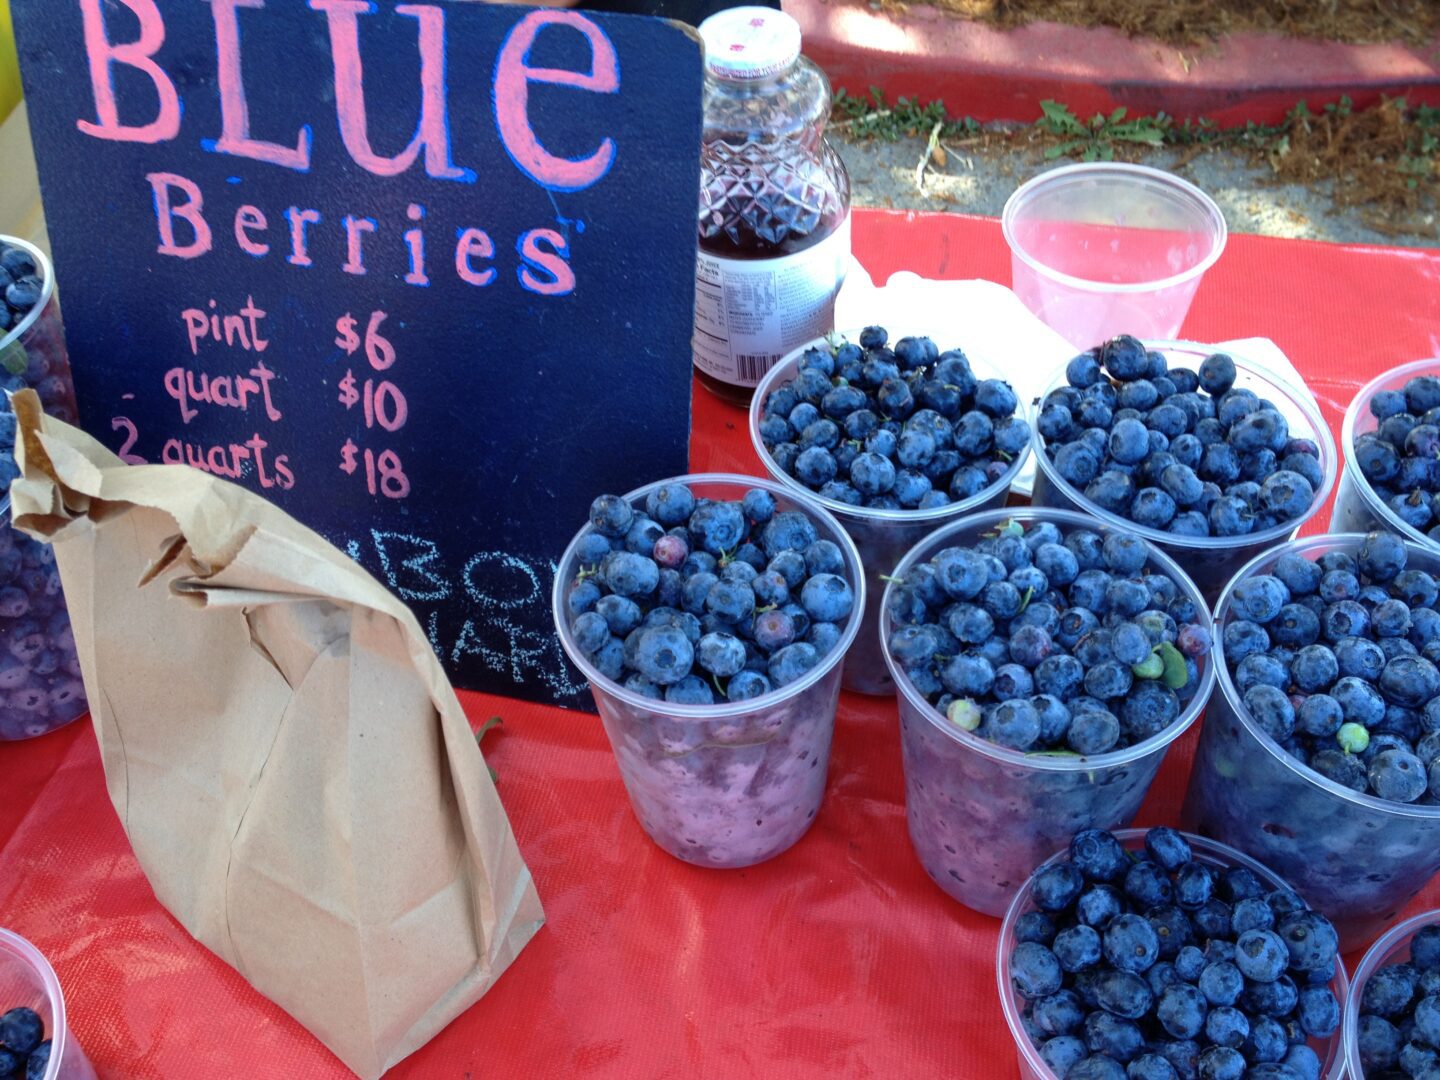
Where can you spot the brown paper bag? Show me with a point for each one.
(289, 761)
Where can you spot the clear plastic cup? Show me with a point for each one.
(1356, 858)
(1033, 1067)
(40, 683)
(735, 783)
(1107, 248)
(981, 816)
(1393, 947)
(33, 352)
(27, 979)
(1357, 507)
(1210, 560)
(882, 536)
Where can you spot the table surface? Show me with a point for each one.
(839, 958)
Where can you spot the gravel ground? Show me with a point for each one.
(978, 180)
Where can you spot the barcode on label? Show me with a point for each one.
(753, 367)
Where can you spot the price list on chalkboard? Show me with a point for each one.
(383, 404)
(421, 273)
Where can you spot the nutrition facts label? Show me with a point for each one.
(751, 312)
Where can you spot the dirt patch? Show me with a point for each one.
(1192, 22)
(1381, 161)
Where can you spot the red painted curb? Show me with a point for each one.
(1003, 75)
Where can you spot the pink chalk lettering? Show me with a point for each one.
(473, 243)
(432, 133)
(299, 254)
(355, 230)
(415, 239)
(234, 110)
(513, 76)
(138, 54)
(559, 278)
(247, 218)
(166, 213)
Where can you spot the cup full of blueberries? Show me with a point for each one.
(1157, 955)
(1046, 662)
(1391, 439)
(895, 435)
(1320, 755)
(1208, 455)
(36, 1041)
(32, 340)
(710, 614)
(1392, 1020)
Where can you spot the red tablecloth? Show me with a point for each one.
(839, 958)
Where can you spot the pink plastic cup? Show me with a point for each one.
(1108, 248)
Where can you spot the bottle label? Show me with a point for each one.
(751, 312)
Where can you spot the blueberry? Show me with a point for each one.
(1410, 680)
(788, 530)
(1221, 982)
(1131, 945)
(1012, 681)
(1231, 516)
(611, 515)
(746, 685)
(1093, 732)
(1034, 970)
(628, 574)
(1014, 724)
(38, 1062)
(1122, 993)
(1128, 442)
(1378, 1043)
(827, 597)
(591, 631)
(1084, 370)
(21, 1030)
(1099, 855)
(1425, 948)
(1182, 1010)
(1125, 358)
(1063, 1053)
(1398, 775)
(1077, 948)
(1097, 1067)
(672, 504)
(664, 654)
(1035, 926)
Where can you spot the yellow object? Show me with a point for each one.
(9, 64)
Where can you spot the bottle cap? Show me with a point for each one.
(749, 42)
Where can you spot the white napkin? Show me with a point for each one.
(995, 329)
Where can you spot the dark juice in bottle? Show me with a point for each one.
(774, 220)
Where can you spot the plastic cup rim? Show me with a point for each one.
(1358, 405)
(1320, 432)
(844, 511)
(1021, 195)
(1109, 760)
(47, 290)
(1369, 964)
(1199, 845)
(1330, 542)
(59, 1033)
(726, 709)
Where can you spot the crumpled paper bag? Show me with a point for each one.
(289, 761)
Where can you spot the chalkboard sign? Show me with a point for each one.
(421, 273)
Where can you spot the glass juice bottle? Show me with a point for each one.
(774, 202)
